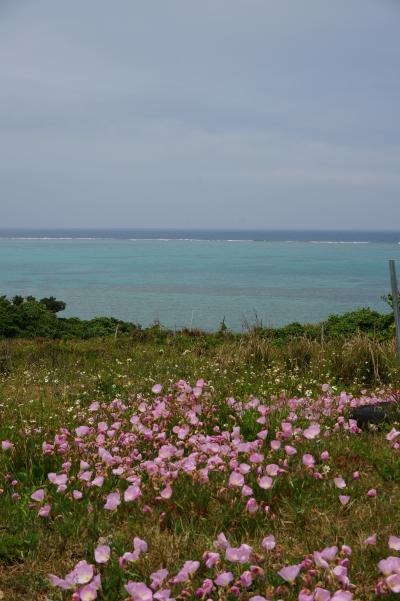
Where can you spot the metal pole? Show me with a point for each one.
(395, 299)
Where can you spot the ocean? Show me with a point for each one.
(186, 278)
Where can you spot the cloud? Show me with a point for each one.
(155, 107)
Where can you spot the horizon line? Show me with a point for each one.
(198, 229)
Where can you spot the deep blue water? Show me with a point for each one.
(196, 278)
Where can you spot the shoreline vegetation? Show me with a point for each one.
(28, 317)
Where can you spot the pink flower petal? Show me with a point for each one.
(38, 495)
(371, 540)
(113, 500)
(88, 592)
(394, 543)
(265, 482)
(393, 582)
(312, 432)
(44, 511)
(139, 591)
(132, 493)
(224, 579)
(102, 554)
(6, 445)
(289, 573)
(269, 542)
(83, 572)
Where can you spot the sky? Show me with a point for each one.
(200, 114)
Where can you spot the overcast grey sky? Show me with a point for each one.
(200, 113)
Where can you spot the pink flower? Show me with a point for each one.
(88, 592)
(342, 596)
(47, 448)
(139, 591)
(64, 584)
(85, 476)
(77, 495)
(287, 429)
(371, 540)
(38, 495)
(256, 458)
(269, 542)
(393, 434)
(393, 582)
(157, 388)
(339, 483)
(344, 499)
(389, 565)
(308, 460)
(57, 479)
(340, 572)
(128, 556)
(83, 572)
(289, 573)
(372, 492)
(312, 431)
(246, 579)
(224, 579)
(329, 553)
(44, 511)
(221, 542)
(140, 545)
(265, 482)
(211, 558)
(238, 555)
(6, 445)
(236, 479)
(324, 457)
(320, 562)
(157, 578)
(82, 431)
(272, 469)
(252, 505)
(305, 596)
(321, 594)
(98, 481)
(163, 595)
(247, 491)
(132, 493)
(394, 543)
(189, 568)
(113, 500)
(102, 554)
(166, 493)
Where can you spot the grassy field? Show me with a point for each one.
(246, 438)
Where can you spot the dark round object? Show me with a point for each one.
(375, 414)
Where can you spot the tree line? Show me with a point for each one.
(28, 317)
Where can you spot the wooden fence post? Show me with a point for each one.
(396, 308)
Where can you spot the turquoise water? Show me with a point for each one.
(198, 282)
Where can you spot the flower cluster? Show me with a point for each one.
(135, 453)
